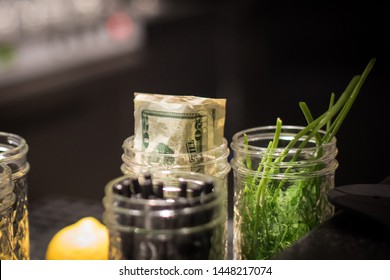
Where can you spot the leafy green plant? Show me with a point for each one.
(282, 202)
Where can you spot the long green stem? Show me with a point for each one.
(318, 124)
(331, 102)
(309, 118)
(340, 118)
(322, 120)
(247, 158)
(264, 180)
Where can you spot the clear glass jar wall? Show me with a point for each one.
(7, 199)
(280, 194)
(13, 152)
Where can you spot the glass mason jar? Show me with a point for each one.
(13, 152)
(7, 199)
(171, 226)
(280, 194)
(213, 162)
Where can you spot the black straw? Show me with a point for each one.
(122, 188)
(160, 190)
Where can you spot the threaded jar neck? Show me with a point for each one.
(213, 162)
(13, 152)
(306, 158)
(168, 214)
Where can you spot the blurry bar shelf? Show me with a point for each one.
(66, 58)
(73, 48)
(66, 51)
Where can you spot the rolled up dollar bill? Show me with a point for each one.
(173, 124)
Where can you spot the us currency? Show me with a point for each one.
(172, 124)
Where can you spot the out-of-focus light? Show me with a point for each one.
(33, 15)
(146, 7)
(119, 26)
(62, 47)
(9, 22)
(88, 7)
(7, 56)
(59, 13)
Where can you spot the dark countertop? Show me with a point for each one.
(346, 235)
(50, 214)
(358, 231)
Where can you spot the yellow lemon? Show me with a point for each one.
(87, 239)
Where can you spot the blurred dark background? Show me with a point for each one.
(68, 71)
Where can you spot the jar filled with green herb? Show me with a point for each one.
(279, 194)
(282, 175)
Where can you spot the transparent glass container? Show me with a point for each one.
(213, 162)
(7, 199)
(13, 152)
(279, 194)
(166, 228)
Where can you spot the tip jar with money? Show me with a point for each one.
(181, 133)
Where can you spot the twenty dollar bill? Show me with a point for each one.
(171, 124)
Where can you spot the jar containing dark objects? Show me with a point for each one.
(165, 215)
(13, 153)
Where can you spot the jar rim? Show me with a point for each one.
(238, 145)
(216, 221)
(128, 144)
(308, 156)
(329, 169)
(18, 144)
(225, 168)
(160, 175)
(166, 213)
